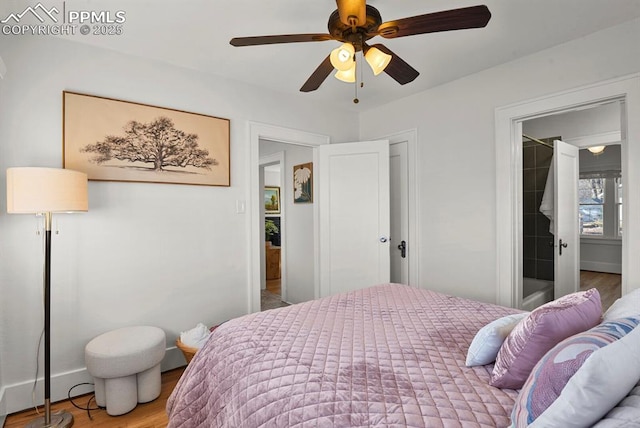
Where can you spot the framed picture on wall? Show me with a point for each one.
(303, 183)
(113, 140)
(271, 200)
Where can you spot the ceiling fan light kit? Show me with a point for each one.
(377, 60)
(342, 57)
(348, 75)
(355, 22)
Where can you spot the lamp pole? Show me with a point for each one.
(62, 418)
(47, 319)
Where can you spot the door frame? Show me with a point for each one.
(508, 126)
(411, 138)
(261, 131)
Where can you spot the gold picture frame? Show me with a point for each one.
(271, 200)
(114, 140)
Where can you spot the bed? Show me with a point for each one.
(389, 355)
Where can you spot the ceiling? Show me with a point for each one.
(196, 33)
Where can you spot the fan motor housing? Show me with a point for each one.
(345, 33)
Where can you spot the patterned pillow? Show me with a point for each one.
(488, 340)
(544, 328)
(549, 377)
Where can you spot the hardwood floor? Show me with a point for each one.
(147, 415)
(609, 285)
(273, 286)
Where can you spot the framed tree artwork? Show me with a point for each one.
(271, 200)
(303, 183)
(112, 140)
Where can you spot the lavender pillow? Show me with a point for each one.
(552, 373)
(544, 328)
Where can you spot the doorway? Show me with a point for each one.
(404, 207)
(509, 121)
(595, 131)
(288, 263)
(273, 290)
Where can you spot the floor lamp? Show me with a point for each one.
(46, 191)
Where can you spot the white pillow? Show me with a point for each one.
(626, 306)
(604, 379)
(488, 340)
(626, 414)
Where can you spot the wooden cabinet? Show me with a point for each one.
(272, 255)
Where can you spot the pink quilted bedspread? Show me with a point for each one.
(389, 355)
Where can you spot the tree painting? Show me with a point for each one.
(158, 143)
(272, 200)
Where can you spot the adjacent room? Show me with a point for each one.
(330, 213)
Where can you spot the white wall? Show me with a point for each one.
(298, 239)
(604, 119)
(3, 324)
(272, 176)
(158, 254)
(456, 150)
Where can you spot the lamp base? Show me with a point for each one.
(61, 419)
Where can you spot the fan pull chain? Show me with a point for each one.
(356, 100)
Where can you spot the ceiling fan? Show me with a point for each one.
(355, 22)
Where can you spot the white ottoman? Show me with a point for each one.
(125, 364)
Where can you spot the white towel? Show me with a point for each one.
(548, 198)
(196, 337)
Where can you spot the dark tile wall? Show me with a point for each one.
(537, 240)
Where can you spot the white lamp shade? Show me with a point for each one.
(342, 57)
(40, 190)
(596, 150)
(348, 76)
(377, 60)
(352, 12)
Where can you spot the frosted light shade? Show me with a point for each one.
(352, 12)
(377, 60)
(348, 76)
(342, 57)
(596, 150)
(40, 190)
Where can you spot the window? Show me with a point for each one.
(591, 199)
(600, 200)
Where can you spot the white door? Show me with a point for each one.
(565, 215)
(354, 215)
(398, 171)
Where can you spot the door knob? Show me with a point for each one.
(383, 239)
(403, 249)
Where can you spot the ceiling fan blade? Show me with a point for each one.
(455, 19)
(284, 38)
(398, 69)
(318, 76)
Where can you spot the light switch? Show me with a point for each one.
(240, 207)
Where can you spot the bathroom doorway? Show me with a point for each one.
(596, 131)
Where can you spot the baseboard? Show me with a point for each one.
(601, 267)
(3, 411)
(18, 397)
